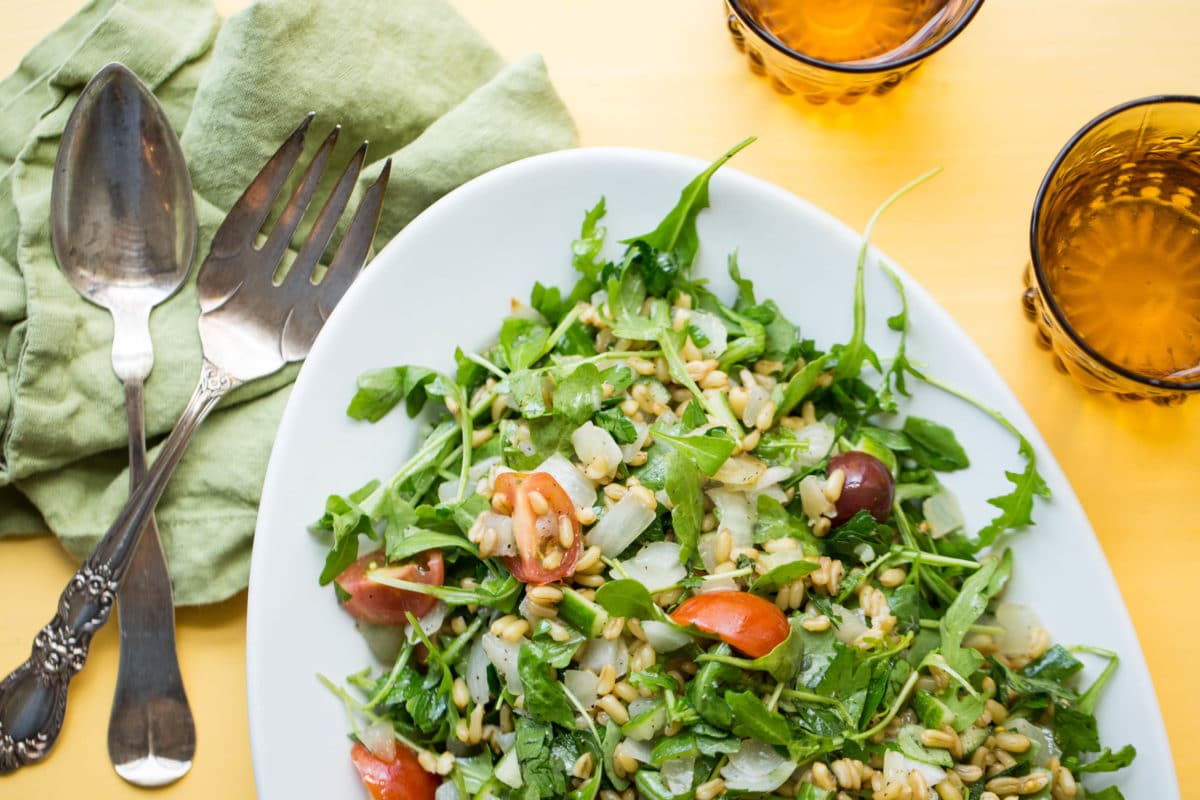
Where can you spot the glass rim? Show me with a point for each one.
(1035, 251)
(854, 68)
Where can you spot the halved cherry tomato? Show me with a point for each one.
(383, 605)
(399, 779)
(540, 526)
(746, 621)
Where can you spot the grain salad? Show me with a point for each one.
(656, 544)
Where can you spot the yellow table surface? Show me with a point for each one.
(993, 108)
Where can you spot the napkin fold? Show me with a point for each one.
(410, 76)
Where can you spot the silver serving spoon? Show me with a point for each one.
(124, 231)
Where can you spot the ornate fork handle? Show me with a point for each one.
(33, 698)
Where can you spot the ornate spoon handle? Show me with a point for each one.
(33, 698)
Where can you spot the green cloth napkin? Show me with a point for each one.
(410, 76)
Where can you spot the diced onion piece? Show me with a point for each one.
(813, 499)
(578, 487)
(735, 513)
(740, 471)
(582, 684)
(678, 774)
(639, 750)
(772, 476)
(447, 491)
(431, 623)
(943, 514)
(1047, 748)
(447, 791)
(896, 767)
(756, 399)
(380, 739)
(756, 767)
(385, 641)
(595, 653)
(476, 676)
(481, 469)
(620, 525)
(508, 770)
(1018, 622)
(596, 447)
(503, 655)
(853, 625)
(503, 526)
(665, 638)
(506, 741)
(818, 440)
(713, 329)
(628, 451)
(656, 566)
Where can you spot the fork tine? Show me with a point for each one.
(309, 316)
(221, 275)
(281, 236)
(322, 230)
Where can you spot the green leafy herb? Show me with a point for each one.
(709, 450)
(577, 397)
(934, 445)
(379, 390)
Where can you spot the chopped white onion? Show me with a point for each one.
(735, 513)
(503, 655)
(506, 741)
(447, 791)
(595, 653)
(943, 514)
(431, 623)
(596, 446)
(1018, 622)
(817, 439)
(447, 491)
(656, 566)
(665, 638)
(380, 739)
(628, 451)
(578, 487)
(385, 641)
(678, 774)
(508, 770)
(620, 525)
(777, 559)
(713, 329)
(756, 767)
(477, 680)
(896, 767)
(756, 399)
(639, 750)
(1047, 748)
(503, 526)
(813, 499)
(853, 625)
(582, 684)
(740, 471)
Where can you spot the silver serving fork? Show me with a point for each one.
(249, 328)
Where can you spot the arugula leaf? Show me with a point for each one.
(1016, 507)
(934, 445)
(348, 521)
(775, 579)
(545, 698)
(783, 662)
(753, 720)
(801, 384)
(1056, 664)
(1108, 761)
(493, 592)
(577, 396)
(709, 450)
(540, 770)
(627, 598)
(585, 251)
(522, 342)
(706, 693)
(676, 234)
(411, 541)
(972, 601)
(684, 492)
(620, 426)
(1075, 731)
(861, 538)
(775, 522)
(693, 416)
(380, 390)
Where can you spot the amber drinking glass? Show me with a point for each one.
(842, 50)
(1114, 281)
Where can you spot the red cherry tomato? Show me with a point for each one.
(540, 526)
(399, 779)
(383, 605)
(746, 621)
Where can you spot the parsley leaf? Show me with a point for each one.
(577, 396)
(380, 390)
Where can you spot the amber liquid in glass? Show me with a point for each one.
(848, 30)
(1126, 274)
